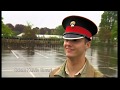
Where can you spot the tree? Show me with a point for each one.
(59, 30)
(10, 26)
(19, 28)
(107, 23)
(104, 34)
(53, 32)
(6, 31)
(29, 33)
(37, 30)
(114, 31)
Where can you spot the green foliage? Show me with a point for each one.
(108, 18)
(104, 34)
(6, 31)
(108, 27)
(114, 31)
(59, 30)
(29, 33)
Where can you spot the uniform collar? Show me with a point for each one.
(88, 71)
(78, 73)
(61, 72)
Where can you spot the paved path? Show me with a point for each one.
(38, 63)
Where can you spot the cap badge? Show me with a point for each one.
(72, 23)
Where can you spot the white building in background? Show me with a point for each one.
(20, 35)
(49, 36)
(42, 36)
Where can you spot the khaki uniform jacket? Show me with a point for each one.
(88, 71)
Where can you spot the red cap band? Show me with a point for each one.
(79, 30)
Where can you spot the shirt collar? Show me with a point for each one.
(79, 72)
(86, 70)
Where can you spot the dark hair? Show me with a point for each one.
(87, 40)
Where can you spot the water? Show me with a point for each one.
(39, 62)
(104, 59)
